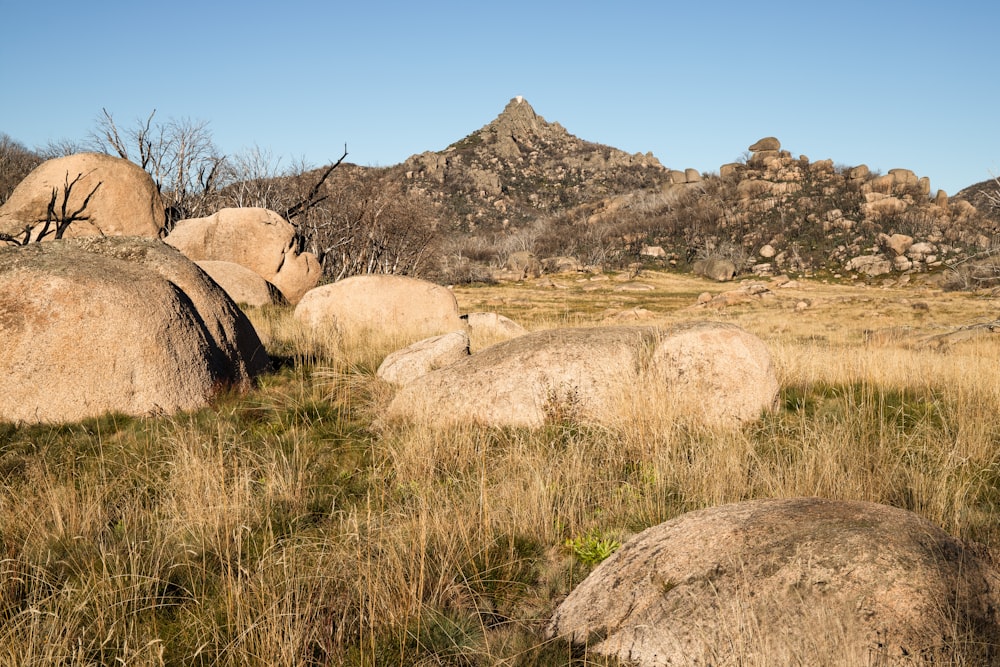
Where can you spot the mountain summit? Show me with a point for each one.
(519, 166)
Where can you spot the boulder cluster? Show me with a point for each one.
(98, 314)
(872, 224)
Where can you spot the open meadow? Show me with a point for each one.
(291, 525)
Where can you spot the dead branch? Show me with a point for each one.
(311, 199)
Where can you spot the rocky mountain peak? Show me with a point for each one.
(518, 126)
(519, 166)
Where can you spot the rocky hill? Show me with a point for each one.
(985, 196)
(520, 166)
(558, 195)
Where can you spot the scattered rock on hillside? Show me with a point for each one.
(761, 579)
(721, 270)
(108, 195)
(870, 265)
(588, 373)
(256, 238)
(420, 358)
(115, 324)
(241, 284)
(396, 308)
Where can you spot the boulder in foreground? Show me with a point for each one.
(789, 581)
(117, 324)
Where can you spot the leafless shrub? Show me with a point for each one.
(980, 271)
(366, 223)
(16, 162)
(179, 155)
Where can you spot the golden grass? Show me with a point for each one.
(285, 527)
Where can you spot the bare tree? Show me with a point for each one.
(993, 196)
(16, 162)
(179, 155)
(367, 223)
(256, 180)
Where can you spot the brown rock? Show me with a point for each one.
(123, 200)
(492, 324)
(400, 309)
(420, 358)
(859, 172)
(897, 244)
(241, 284)
(904, 178)
(113, 324)
(256, 238)
(587, 373)
(729, 169)
(766, 144)
(757, 582)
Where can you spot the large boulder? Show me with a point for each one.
(243, 286)
(256, 238)
(115, 324)
(395, 308)
(720, 374)
(760, 582)
(108, 196)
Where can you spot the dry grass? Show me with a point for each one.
(283, 528)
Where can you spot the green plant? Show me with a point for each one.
(593, 547)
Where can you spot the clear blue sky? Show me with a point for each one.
(883, 82)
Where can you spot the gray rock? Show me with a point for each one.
(756, 582)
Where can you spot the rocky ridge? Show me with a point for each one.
(773, 213)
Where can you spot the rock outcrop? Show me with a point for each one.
(815, 215)
(115, 324)
(94, 195)
(760, 580)
(257, 238)
(716, 373)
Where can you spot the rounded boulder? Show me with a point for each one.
(96, 325)
(724, 375)
(789, 581)
(241, 284)
(108, 196)
(257, 238)
(394, 308)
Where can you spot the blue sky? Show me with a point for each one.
(884, 82)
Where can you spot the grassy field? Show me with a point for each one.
(287, 526)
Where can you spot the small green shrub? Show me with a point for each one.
(592, 548)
